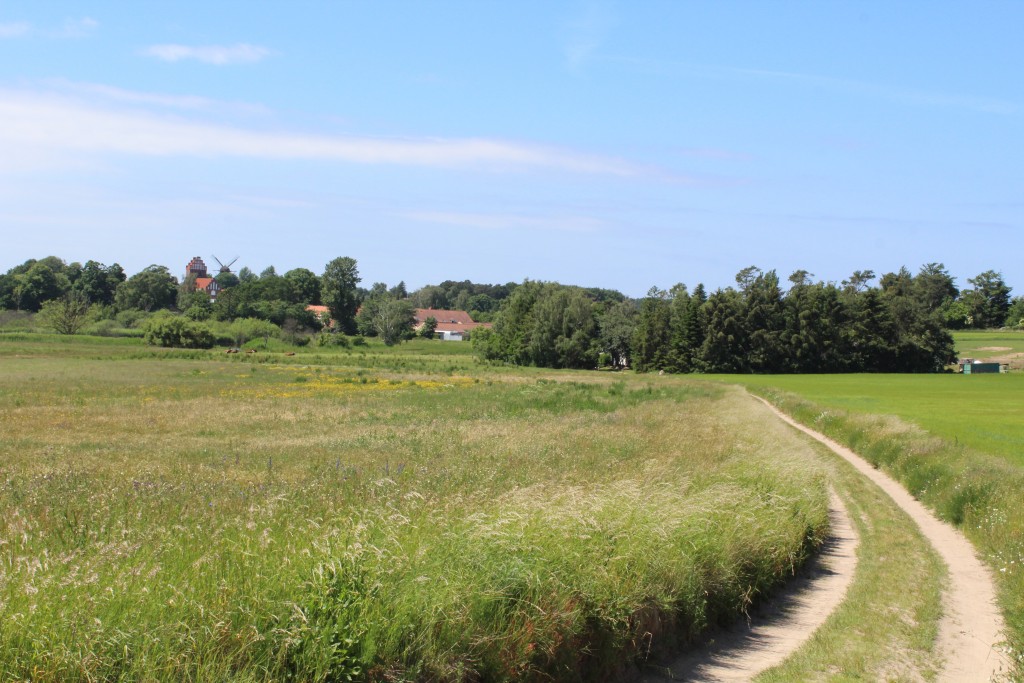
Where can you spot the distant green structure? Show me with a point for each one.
(969, 366)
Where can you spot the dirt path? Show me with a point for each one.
(780, 625)
(971, 627)
(969, 632)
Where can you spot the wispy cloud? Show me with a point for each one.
(77, 28)
(188, 102)
(58, 126)
(586, 34)
(14, 29)
(219, 55)
(507, 221)
(895, 93)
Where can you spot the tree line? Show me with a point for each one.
(896, 322)
(900, 325)
(71, 295)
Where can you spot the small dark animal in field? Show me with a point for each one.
(250, 350)
(290, 353)
(231, 351)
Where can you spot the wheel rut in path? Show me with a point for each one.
(780, 625)
(971, 627)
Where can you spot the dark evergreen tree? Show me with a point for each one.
(725, 340)
(653, 332)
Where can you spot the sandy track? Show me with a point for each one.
(780, 625)
(969, 633)
(971, 627)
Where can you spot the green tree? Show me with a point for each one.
(151, 289)
(431, 296)
(764, 323)
(305, 285)
(859, 281)
(428, 327)
(815, 319)
(338, 288)
(725, 342)
(98, 282)
(564, 330)
(67, 314)
(617, 326)
(391, 319)
(1015, 315)
(399, 291)
(226, 280)
(934, 287)
(42, 281)
(989, 301)
(651, 339)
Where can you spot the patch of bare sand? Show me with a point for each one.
(779, 626)
(971, 627)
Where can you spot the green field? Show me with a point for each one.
(986, 344)
(984, 412)
(405, 513)
(174, 515)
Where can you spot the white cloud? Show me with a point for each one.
(220, 55)
(77, 28)
(71, 28)
(191, 102)
(49, 126)
(14, 29)
(507, 221)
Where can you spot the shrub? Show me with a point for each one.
(326, 338)
(166, 329)
(131, 317)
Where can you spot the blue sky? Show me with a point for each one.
(619, 145)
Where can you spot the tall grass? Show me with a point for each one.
(206, 519)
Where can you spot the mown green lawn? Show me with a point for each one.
(986, 344)
(983, 412)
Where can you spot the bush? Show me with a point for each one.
(15, 321)
(166, 329)
(131, 317)
(246, 329)
(103, 328)
(326, 338)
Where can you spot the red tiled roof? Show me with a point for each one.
(317, 309)
(459, 327)
(203, 283)
(443, 316)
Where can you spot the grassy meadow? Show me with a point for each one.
(373, 514)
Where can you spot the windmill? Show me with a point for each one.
(225, 268)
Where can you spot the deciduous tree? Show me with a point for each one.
(338, 289)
